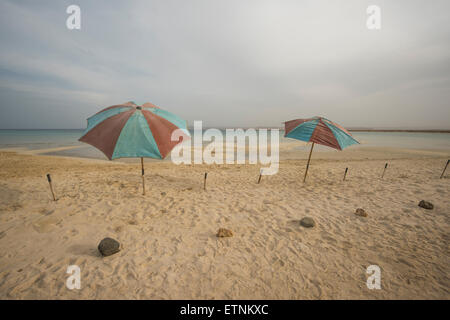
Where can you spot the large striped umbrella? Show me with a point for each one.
(131, 131)
(318, 130)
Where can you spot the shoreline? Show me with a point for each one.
(286, 154)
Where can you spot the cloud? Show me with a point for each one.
(229, 63)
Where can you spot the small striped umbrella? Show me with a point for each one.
(131, 131)
(318, 130)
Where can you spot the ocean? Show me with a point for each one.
(49, 139)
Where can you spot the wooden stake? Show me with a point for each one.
(309, 159)
(260, 175)
(444, 169)
(345, 173)
(204, 181)
(384, 170)
(51, 187)
(143, 180)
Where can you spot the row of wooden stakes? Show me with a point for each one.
(346, 170)
(259, 179)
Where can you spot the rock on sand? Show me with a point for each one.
(108, 247)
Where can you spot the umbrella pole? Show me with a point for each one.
(309, 159)
(143, 181)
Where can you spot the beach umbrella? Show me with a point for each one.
(131, 131)
(318, 130)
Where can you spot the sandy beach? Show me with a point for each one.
(168, 237)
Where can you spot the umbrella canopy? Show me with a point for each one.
(130, 131)
(318, 130)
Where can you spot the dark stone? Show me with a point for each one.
(426, 205)
(307, 222)
(361, 212)
(108, 247)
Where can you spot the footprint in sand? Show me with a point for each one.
(328, 238)
(119, 229)
(403, 261)
(46, 212)
(73, 232)
(46, 225)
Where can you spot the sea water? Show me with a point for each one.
(49, 139)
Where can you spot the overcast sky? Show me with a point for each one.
(228, 63)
